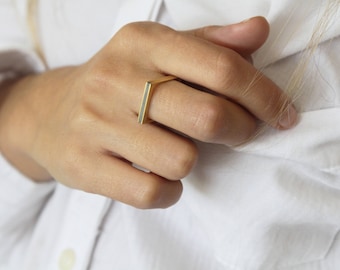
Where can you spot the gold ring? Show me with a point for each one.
(148, 91)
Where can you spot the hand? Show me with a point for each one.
(79, 124)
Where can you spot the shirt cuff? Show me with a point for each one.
(18, 61)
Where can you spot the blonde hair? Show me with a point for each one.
(295, 85)
(32, 6)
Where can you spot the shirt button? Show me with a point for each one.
(67, 259)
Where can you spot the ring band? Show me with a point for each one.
(147, 95)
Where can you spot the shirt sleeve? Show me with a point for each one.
(21, 200)
(17, 54)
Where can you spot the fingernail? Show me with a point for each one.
(288, 118)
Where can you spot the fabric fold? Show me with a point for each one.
(286, 37)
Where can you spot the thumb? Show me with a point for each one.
(245, 37)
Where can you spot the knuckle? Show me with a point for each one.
(145, 38)
(159, 193)
(138, 31)
(129, 31)
(226, 71)
(210, 121)
(183, 161)
(150, 195)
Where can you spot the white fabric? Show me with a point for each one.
(292, 21)
(21, 201)
(271, 204)
(16, 51)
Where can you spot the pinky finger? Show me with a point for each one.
(119, 180)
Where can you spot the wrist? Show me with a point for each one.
(16, 127)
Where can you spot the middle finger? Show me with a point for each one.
(201, 115)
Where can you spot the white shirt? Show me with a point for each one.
(271, 204)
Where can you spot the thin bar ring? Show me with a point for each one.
(147, 95)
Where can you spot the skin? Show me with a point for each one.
(78, 124)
